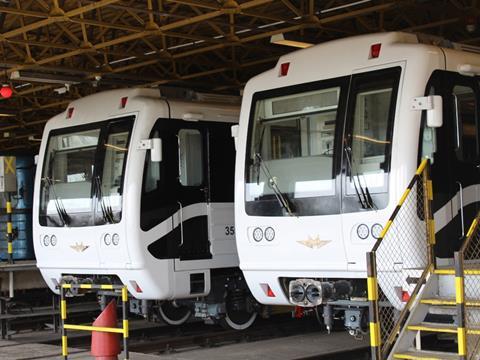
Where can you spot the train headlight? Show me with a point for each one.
(115, 239)
(269, 233)
(46, 240)
(53, 240)
(296, 292)
(310, 292)
(257, 234)
(107, 239)
(314, 294)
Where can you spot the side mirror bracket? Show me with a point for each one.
(234, 133)
(433, 104)
(155, 147)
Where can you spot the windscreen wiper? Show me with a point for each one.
(361, 198)
(107, 211)
(62, 213)
(282, 198)
(259, 146)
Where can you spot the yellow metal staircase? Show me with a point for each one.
(464, 285)
(443, 299)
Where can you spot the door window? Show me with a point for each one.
(373, 110)
(190, 157)
(465, 107)
(172, 180)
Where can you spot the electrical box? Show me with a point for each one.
(8, 175)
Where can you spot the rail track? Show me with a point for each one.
(172, 339)
(163, 339)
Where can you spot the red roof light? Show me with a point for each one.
(123, 102)
(284, 69)
(69, 113)
(375, 51)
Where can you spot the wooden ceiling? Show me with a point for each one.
(209, 45)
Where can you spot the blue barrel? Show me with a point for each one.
(22, 203)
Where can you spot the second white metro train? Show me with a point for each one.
(136, 189)
(327, 143)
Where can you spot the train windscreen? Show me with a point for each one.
(83, 172)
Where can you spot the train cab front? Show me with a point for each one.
(312, 179)
(81, 228)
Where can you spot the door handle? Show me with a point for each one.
(180, 207)
(461, 206)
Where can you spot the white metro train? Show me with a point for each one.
(136, 189)
(327, 143)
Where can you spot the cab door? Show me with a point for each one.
(180, 196)
(455, 171)
(366, 159)
(192, 185)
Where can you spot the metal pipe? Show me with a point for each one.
(461, 207)
(9, 228)
(63, 317)
(10, 284)
(125, 325)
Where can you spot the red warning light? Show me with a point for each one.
(375, 51)
(6, 91)
(268, 291)
(123, 102)
(405, 296)
(137, 288)
(284, 69)
(69, 113)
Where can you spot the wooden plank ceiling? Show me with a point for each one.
(209, 45)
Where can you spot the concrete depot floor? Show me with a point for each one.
(292, 347)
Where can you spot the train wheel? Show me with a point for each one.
(237, 319)
(174, 314)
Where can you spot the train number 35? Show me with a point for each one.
(230, 230)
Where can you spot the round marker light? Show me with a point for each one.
(46, 240)
(257, 234)
(53, 240)
(376, 230)
(269, 233)
(363, 231)
(115, 239)
(107, 239)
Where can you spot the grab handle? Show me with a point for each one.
(461, 206)
(181, 222)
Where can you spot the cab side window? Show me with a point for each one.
(152, 171)
(190, 157)
(465, 108)
(181, 171)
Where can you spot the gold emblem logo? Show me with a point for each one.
(79, 247)
(314, 242)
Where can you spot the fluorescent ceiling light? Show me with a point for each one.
(43, 78)
(344, 6)
(279, 39)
